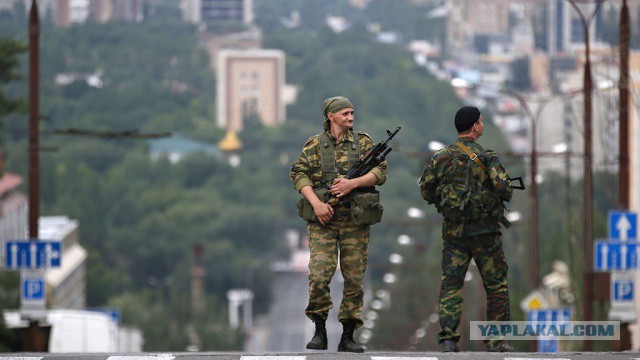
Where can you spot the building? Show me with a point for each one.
(564, 27)
(216, 12)
(68, 12)
(127, 10)
(14, 210)
(250, 86)
(66, 285)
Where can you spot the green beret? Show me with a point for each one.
(335, 104)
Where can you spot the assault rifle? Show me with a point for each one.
(370, 160)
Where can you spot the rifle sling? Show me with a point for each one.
(473, 156)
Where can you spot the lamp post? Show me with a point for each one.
(533, 187)
(587, 288)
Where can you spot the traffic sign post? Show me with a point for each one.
(33, 295)
(555, 315)
(623, 225)
(549, 315)
(615, 255)
(622, 296)
(547, 345)
(26, 254)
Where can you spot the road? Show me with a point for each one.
(326, 356)
(286, 328)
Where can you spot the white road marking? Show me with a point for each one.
(21, 357)
(273, 358)
(517, 358)
(402, 358)
(143, 357)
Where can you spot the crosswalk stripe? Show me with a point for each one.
(142, 357)
(21, 357)
(273, 358)
(402, 358)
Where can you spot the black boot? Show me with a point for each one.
(319, 340)
(347, 344)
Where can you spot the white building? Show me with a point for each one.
(250, 84)
(66, 285)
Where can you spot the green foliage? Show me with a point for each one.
(10, 51)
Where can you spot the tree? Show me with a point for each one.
(10, 49)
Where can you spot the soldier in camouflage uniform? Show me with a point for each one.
(331, 229)
(468, 185)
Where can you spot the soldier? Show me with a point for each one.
(469, 186)
(318, 175)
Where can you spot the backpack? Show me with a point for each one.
(464, 198)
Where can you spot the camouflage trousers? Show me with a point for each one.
(486, 250)
(325, 241)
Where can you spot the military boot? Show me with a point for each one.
(450, 346)
(500, 346)
(347, 344)
(319, 340)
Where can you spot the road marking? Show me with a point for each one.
(402, 358)
(512, 358)
(21, 357)
(273, 358)
(143, 357)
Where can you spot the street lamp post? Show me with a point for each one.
(533, 187)
(587, 288)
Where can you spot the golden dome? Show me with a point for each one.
(230, 142)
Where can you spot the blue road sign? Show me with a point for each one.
(26, 254)
(555, 314)
(615, 255)
(548, 345)
(622, 290)
(623, 225)
(33, 289)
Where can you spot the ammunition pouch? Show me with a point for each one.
(366, 208)
(305, 209)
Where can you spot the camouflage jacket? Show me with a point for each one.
(496, 180)
(307, 170)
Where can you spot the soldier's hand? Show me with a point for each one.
(342, 187)
(324, 212)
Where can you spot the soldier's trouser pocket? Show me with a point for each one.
(366, 208)
(305, 210)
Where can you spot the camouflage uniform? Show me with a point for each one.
(340, 234)
(479, 239)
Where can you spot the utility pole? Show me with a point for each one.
(34, 118)
(34, 337)
(623, 174)
(624, 181)
(587, 267)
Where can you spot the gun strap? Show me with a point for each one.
(473, 156)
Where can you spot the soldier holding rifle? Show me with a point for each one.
(336, 173)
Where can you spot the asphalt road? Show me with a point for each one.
(326, 356)
(286, 328)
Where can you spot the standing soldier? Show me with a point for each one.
(318, 175)
(469, 186)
